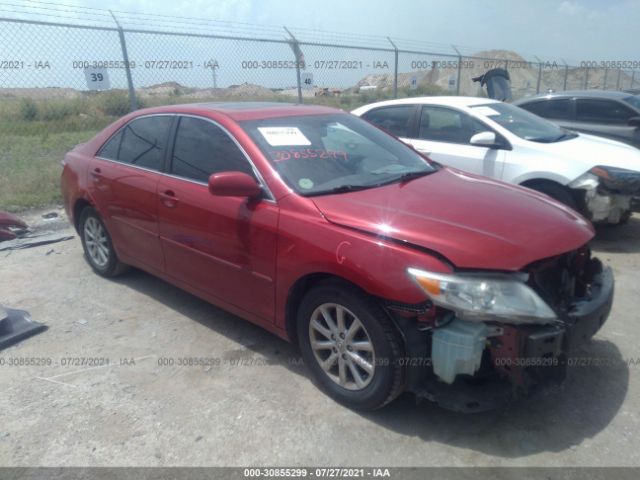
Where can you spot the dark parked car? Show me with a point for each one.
(610, 114)
(391, 272)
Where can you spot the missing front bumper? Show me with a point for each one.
(523, 358)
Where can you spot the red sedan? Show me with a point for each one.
(391, 272)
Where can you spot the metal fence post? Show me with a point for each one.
(538, 81)
(586, 78)
(566, 75)
(459, 69)
(606, 74)
(618, 79)
(633, 79)
(133, 101)
(395, 68)
(297, 52)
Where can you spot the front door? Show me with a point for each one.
(444, 134)
(224, 247)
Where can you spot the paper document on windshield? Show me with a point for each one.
(281, 136)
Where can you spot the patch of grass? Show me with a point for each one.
(30, 168)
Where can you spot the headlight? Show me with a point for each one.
(586, 181)
(485, 296)
(608, 175)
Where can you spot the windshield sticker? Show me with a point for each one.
(486, 111)
(284, 155)
(280, 136)
(305, 183)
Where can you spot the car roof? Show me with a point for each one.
(610, 94)
(449, 101)
(240, 111)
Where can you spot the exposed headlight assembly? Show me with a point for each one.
(485, 297)
(612, 177)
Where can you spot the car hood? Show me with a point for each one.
(591, 150)
(473, 221)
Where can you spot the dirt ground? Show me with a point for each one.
(255, 404)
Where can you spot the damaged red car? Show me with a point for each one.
(391, 272)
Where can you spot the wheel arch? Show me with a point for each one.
(303, 285)
(78, 207)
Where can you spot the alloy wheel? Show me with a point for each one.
(95, 239)
(342, 346)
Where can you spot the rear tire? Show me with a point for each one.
(350, 345)
(97, 245)
(557, 192)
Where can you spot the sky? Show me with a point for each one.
(574, 30)
(552, 30)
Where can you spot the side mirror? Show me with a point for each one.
(233, 184)
(484, 139)
(634, 122)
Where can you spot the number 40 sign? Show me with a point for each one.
(97, 78)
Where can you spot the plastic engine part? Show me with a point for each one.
(457, 349)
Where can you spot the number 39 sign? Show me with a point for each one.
(97, 78)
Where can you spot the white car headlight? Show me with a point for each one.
(586, 181)
(485, 296)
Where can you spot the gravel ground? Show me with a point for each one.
(256, 405)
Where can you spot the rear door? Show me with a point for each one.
(608, 118)
(124, 178)
(444, 133)
(224, 247)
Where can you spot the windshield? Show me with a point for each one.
(522, 123)
(634, 101)
(318, 154)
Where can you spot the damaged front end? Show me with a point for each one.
(608, 194)
(484, 339)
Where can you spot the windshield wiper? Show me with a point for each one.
(405, 177)
(558, 138)
(408, 176)
(341, 189)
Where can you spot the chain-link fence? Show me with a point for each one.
(60, 83)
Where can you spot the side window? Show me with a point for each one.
(394, 120)
(558, 108)
(201, 149)
(143, 142)
(110, 149)
(602, 111)
(445, 125)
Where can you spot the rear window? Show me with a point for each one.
(394, 120)
(141, 142)
(602, 111)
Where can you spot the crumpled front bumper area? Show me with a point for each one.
(519, 359)
(617, 195)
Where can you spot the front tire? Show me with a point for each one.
(97, 245)
(350, 345)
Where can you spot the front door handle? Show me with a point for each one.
(96, 173)
(169, 198)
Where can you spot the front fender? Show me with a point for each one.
(375, 264)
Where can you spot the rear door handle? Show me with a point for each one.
(169, 198)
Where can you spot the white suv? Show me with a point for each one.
(598, 177)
